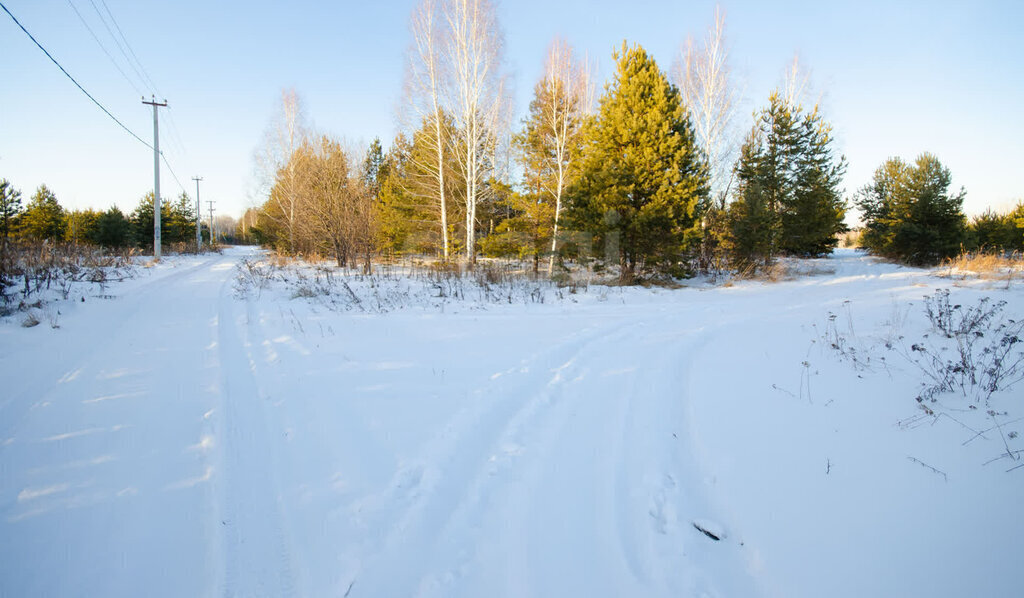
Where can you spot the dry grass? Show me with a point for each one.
(31, 268)
(984, 266)
(851, 238)
(785, 269)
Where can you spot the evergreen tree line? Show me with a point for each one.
(43, 219)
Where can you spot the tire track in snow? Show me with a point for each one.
(23, 392)
(137, 371)
(594, 499)
(256, 556)
(509, 488)
(431, 491)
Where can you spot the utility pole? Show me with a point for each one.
(213, 234)
(156, 174)
(199, 218)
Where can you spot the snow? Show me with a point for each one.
(188, 435)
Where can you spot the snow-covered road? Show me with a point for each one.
(178, 440)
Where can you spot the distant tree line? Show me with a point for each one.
(43, 219)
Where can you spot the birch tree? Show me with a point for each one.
(796, 83)
(276, 169)
(427, 76)
(704, 77)
(551, 141)
(473, 50)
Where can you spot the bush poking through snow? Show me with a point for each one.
(845, 342)
(971, 350)
(386, 288)
(977, 351)
(254, 275)
(30, 320)
(33, 274)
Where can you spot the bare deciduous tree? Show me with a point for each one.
(426, 77)
(336, 203)
(703, 76)
(795, 83)
(275, 168)
(473, 50)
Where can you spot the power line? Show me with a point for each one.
(104, 48)
(175, 136)
(141, 70)
(129, 46)
(88, 95)
(110, 32)
(68, 75)
(174, 176)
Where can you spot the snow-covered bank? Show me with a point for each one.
(186, 438)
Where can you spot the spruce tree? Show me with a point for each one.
(643, 178)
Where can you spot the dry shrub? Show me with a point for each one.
(28, 269)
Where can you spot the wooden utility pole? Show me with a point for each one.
(156, 173)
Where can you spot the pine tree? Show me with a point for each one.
(643, 178)
(44, 217)
(374, 170)
(142, 221)
(10, 209)
(787, 187)
(81, 225)
(753, 222)
(112, 229)
(1016, 234)
(408, 209)
(813, 217)
(526, 229)
(393, 230)
(909, 213)
(178, 220)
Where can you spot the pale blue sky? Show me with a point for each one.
(897, 78)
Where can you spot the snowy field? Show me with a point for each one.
(308, 433)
